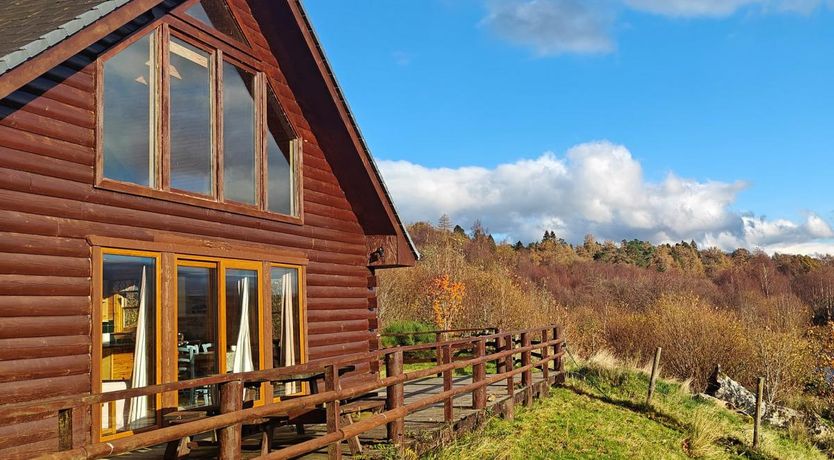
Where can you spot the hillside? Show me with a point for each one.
(600, 414)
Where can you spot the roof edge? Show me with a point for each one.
(353, 125)
(54, 37)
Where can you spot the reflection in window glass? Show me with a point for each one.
(128, 340)
(280, 177)
(216, 14)
(128, 114)
(286, 323)
(190, 118)
(242, 328)
(238, 134)
(197, 331)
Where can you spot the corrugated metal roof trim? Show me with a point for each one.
(52, 38)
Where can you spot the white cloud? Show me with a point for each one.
(597, 188)
(553, 27)
(720, 8)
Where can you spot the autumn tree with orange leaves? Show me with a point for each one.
(446, 298)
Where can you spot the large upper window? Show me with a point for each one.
(196, 119)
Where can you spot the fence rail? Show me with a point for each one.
(544, 343)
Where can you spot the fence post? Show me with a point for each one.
(546, 365)
(653, 379)
(478, 375)
(526, 376)
(508, 366)
(65, 429)
(558, 363)
(438, 352)
(448, 403)
(758, 419)
(231, 400)
(331, 383)
(394, 395)
(496, 347)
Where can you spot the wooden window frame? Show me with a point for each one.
(224, 49)
(97, 351)
(169, 256)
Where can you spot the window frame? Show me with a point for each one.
(97, 350)
(179, 25)
(167, 258)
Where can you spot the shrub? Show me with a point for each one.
(407, 327)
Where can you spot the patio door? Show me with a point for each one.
(219, 324)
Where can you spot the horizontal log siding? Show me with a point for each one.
(49, 206)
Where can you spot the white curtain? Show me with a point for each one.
(242, 361)
(288, 333)
(139, 404)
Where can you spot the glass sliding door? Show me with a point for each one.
(197, 329)
(219, 324)
(129, 305)
(287, 319)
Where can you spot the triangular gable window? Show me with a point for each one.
(216, 14)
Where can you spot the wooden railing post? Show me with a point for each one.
(558, 363)
(479, 395)
(526, 376)
(394, 395)
(438, 352)
(65, 429)
(496, 346)
(331, 383)
(546, 365)
(229, 438)
(508, 367)
(448, 404)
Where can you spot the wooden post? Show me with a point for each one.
(331, 383)
(479, 395)
(394, 395)
(508, 366)
(496, 346)
(758, 419)
(546, 366)
(526, 376)
(65, 429)
(653, 378)
(558, 363)
(438, 352)
(229, 438)
(448, 404)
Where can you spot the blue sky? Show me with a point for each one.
(730, 100)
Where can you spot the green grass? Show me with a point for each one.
(600, 413)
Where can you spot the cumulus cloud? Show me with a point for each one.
(596, 188)
(553, 27)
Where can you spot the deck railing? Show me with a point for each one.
(513, 353)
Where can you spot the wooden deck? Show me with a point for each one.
(424, 430)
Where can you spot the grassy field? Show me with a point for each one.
(600, 414)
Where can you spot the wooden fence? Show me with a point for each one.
(512, 352)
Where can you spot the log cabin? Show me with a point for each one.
(183, 192)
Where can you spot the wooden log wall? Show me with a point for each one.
(49, 207)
